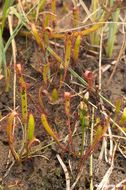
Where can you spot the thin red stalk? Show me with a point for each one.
(70, 141)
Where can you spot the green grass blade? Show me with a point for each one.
(7, 4)
(112, 34)
(40, 7)
(112, 31)
(2, 56)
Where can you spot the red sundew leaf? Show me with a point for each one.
(33, 142)
(10, 135)
(89, 77)
(10, 127)
(67, 97)
(19, 68)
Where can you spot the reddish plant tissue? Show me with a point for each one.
(89, 77)
(1, 76)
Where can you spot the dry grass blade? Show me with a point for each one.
(120, 185)
(65, 172)
(106, 177)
